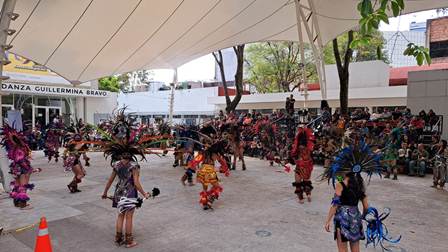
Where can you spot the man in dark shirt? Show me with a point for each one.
(396, 114)
(290, 105)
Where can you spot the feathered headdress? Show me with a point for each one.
(356, 158)
(12, 140)
(304, 137)
(123, 140)
(218, 148)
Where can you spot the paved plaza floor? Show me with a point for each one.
(256, 212)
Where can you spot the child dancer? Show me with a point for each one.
(123, 149)
(207, 175)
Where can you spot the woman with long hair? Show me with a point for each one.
(345, 174)
(344, 211)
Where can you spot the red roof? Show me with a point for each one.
(399, 75)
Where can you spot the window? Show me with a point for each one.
(438, 49)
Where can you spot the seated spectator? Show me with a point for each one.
(386, 114)
(376, 116)
(407, 113)
(423, 116)
(417, 166)
(418, 124)
(396, 115)
(403, 156)
(433, 119)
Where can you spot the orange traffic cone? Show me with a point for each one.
(43, 243)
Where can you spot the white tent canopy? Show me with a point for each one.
(86, 39)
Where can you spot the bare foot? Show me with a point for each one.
(301, 201)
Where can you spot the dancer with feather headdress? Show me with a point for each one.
(345, 175)
(123, 147)
(19, 154)
(301, 156)
(74, 149)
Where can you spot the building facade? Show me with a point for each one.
(40, 95)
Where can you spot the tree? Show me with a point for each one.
(374, 50)
(239, 52)
(109, 83)
(343, 67)
(274, 66)
(373, 13)
(124, 82)
(128, 80)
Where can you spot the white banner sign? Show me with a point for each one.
(48, 90)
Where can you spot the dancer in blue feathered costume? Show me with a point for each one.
(345, 175)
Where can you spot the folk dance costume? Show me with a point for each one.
(72, 161)
(301, 155)
(235, 143)
(19, 154)
(206, 174)
(345, 175)
(123, 147)
(52, 144)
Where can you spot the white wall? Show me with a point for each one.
(361, 75)
(186, 102)
(429, 90)
(87, 107)
(229, 59)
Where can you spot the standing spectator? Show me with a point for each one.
(287, 105)
(417, 166)
(290, 105)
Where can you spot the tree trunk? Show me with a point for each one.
(239, 51)
(219, 60)
(343, 72)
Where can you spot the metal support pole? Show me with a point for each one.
(320, 48)
(5, 20)
(302, 51)
(313, 34)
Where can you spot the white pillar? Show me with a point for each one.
(173, 87)
(302, 52)
(5, 20)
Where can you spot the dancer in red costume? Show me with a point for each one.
(301, 155)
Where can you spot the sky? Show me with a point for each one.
(204, 68)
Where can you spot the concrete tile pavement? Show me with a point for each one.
(257, 212)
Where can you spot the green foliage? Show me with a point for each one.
(275, 66)
(364, 49)
(109, 83)
(420, 53)
(372, 14)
